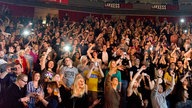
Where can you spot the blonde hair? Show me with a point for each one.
(83, 58)
(76, 90)
(21, 52)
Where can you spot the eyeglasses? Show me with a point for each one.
(24, 81)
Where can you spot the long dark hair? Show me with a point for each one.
(33, 76)
(53, 85)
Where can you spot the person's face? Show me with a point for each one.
(114, 81)
(36, 47)
(45, 44)
(104, 47)
(51, 64)
(2, 53)
(68, 61)
(81, 83)
(137, 62)
(58, 40)
(113, 64)
(77, 55)
(49, 90)
(94, 54)
(23, 82)
(160, 72)
(19, 69)
(160, 90)
(136, 84)
(36, 77)
(179, 64)
(75, 42)
(57, 78)
(185, 82)
(172, 66)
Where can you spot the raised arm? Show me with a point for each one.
(44, 58)
(107, 83)
(100, 70)
(90, 71)
(170, 89)
(130, 87)
(129, 60)
(185, 76)
(188, 52)
(89, 52)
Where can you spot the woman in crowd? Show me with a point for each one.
(33, 88)
(184, 102)
(83, 65)
(151, 37)
(53, 97)
(48, 73)
(117, 74)
(76, 58)
(93, 77)
(134, 97)
(78, 97)
(93, 58)
(62, 89)
(112, 97)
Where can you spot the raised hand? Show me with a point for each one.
(97, 101)
(143, 67)
(172, 73)
(49, 49)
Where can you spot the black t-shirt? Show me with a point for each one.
(77, 102)
(13, 94)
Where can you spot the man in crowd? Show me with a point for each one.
(68, 73)
(15, 94)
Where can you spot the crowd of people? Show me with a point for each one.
(95, 63)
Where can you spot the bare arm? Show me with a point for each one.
(188, 52)
(130, 87)
(100, 71)
(90, 71)
(186, 75)
(89, 52)
(44, 59)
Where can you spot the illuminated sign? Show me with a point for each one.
(112, 5)
(159, 7)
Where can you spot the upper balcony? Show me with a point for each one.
(122, 7)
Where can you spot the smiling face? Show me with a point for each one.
(50, 64)
(179, 64)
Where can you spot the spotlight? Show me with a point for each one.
(185, 31)
(67, 48)
(30, 23)
(182, 20)
(26, 32)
